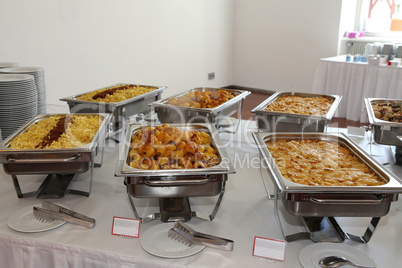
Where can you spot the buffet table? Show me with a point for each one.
(356, 81)
(245, 212)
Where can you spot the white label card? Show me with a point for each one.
(269, 248)
(126, 227)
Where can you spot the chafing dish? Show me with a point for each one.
(384, 132)
(174, 186)
(46, 161)
(341, 201)
(318, 205)
(286, 122)
(64, 161)
(120, 110)
(176, 114)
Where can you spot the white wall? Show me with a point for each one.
(278, 44)
(85, 45)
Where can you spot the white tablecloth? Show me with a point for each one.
(356, 81)
(245, 212)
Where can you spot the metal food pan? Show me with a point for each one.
(336, 201)
(120, 110)
(51, 161)
(175, 182)
(176, 186)
(286, 122)
(176, 114)
(384, 132)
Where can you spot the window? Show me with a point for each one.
(379, 17)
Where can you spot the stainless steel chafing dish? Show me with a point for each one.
(120, 110)
(318, 205)
(384, 132)
(286, 122)
(342, 201)
(46, 161)
(174, 186)
(176, 114)
(388, 133)
(64, 161)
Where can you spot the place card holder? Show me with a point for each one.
(269, 248)
(126, 227)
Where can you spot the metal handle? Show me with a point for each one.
(47, 216)
(175, 182)
(50, 160)
(345, 201)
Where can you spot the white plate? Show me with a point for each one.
(312, 254)
(22, 70)
(15, 77)
(155, 241)
(24, 221)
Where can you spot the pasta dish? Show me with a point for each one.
(295, 104)
(59, 131)
(116, 93)
(320, 163)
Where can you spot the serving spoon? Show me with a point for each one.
(335, 261)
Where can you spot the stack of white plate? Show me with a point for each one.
(39, 74)
(18, 101)
(8, 64)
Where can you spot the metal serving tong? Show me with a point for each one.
(186, 235)
(50, 212)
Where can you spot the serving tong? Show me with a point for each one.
(186, 235)
(50, 212)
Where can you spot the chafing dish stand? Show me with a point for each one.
(384, 132)
(319, 229)
(319, 209)
(58, 185)
(177, 208)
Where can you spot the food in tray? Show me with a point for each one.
(318, 162)
(166, 147)
(59, 131)
(295, 104)
(116, 93)
(390, 111)
(202, 99)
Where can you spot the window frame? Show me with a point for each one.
(392, 34)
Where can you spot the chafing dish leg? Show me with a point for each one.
(155, 216)
(369, 231)
(78, 192)
(318, 229)
(239, 112)
(133, 206)
(18, 188)
(325, 229)
(398, 155)
(270, 196)
(102, 149)
(218, 203)
(292, 237)
(236, 128)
